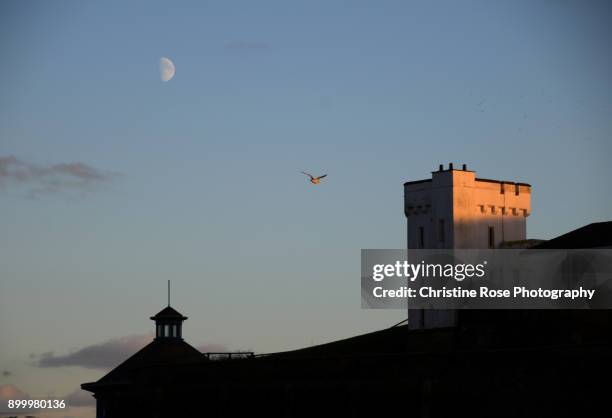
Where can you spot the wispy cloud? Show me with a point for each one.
(50, 179)
(105, 355)
(80, 398)
(245, 46)
(8, 392)
(11, 392)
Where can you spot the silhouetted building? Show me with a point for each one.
(595, 235)
(135, 383)
(500, 364)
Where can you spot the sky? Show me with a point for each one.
(124, 181)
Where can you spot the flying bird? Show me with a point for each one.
(313, 179)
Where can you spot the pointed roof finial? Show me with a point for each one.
(168, 292)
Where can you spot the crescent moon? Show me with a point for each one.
(166, 69)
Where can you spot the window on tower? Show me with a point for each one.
(421, 237)
(441, 230)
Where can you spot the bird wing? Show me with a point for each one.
(320, 177)
(309, 175)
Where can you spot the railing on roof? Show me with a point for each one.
(229, 355)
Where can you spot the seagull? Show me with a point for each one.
(313, 179)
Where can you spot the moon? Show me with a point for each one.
(166, 69)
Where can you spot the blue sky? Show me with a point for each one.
(202, 182)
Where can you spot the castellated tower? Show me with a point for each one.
(455, 210)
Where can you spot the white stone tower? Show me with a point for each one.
(454, 209)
